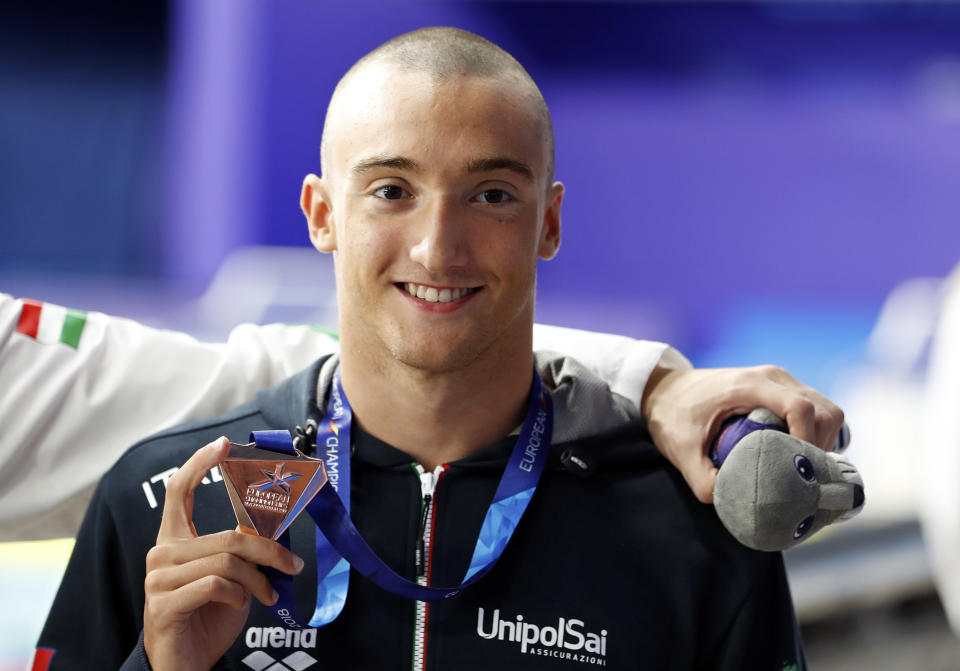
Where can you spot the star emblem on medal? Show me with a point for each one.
(277, 478)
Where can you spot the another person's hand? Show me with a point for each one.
(685, 409)
(198, 588)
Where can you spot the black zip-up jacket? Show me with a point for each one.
(620, 569)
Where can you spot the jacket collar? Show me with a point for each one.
(583, 404)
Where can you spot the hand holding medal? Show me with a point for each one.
(198, 587)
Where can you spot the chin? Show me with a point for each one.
(433, 359)
(439, 352)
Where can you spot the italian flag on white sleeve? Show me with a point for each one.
(48, 324)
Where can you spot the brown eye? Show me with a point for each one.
(391, 192)
(493, 196)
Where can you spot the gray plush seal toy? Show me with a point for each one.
(774, 490)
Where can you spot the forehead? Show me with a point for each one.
(382, 111)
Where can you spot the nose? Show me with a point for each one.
(841, 496)
(441, 238)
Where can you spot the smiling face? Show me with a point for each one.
(436, 204)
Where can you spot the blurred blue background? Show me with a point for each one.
(734, 171)
(747, 181)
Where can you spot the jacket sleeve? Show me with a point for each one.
(71, 406)
(624, 363)
(97, 615)
(763, 634)
(137, 660)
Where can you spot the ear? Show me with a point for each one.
(315, 204)
(550, 233)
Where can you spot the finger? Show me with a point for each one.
(245, 546)
(210, 589)
(798, 411)
(829, 423)
(827, 436)
(701, 476)
(224, 565)
(796, 402)
(177, 520)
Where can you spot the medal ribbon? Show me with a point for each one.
(338, 543)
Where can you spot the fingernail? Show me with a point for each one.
(274, 597)
(297, 564)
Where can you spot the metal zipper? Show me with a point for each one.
(428, 485)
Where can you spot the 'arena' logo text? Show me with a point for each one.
(278, 637)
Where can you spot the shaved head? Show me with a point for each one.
(442, 54)
(437, 184)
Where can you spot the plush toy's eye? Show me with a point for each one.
(804, 468)
(803, 527)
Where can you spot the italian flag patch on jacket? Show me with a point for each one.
(48, 323)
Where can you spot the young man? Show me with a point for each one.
(437, 200)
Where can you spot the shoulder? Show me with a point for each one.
(186, 438)
(133, 490)
(141, 474)
(280, 407)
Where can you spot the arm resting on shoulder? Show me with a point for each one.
(70, 411)
(685, 407)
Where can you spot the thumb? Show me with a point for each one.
(701, 476)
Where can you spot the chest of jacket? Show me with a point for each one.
(573, 588)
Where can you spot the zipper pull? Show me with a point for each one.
(428, 482)
(421, 543)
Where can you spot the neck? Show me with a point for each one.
(438, 417)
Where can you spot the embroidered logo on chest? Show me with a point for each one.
(566, 639)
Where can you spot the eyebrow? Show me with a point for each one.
(500, 163)
(490, 164)
(395, 162)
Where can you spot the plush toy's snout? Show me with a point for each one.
(773, 490)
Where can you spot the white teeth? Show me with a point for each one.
(434, 295)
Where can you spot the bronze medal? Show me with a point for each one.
(269, 489)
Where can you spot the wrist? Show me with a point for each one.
(657, 383)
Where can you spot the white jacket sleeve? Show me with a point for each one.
(623, 363)
(77, 393)
(71, 405)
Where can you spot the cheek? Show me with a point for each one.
(368, 244)
(515, 237)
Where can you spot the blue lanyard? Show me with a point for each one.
(340, 546)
